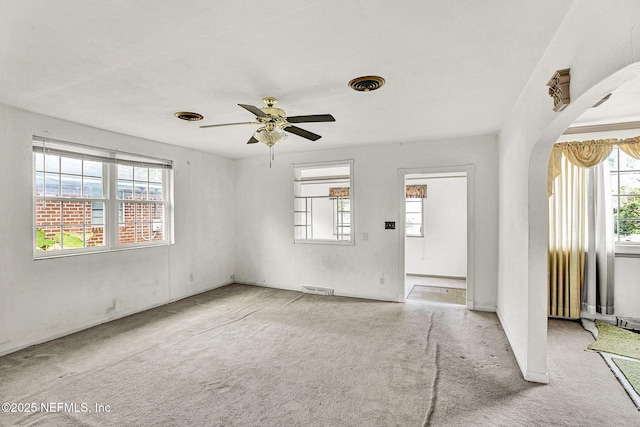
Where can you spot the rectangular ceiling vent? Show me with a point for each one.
(316, 290)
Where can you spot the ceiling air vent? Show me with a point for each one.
(366, 83)
(189, 117)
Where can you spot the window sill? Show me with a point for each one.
(325, 242)
(38, 257)
(627, 250)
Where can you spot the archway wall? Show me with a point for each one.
(600, 44)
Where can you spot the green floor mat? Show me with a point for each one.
(631, 370)
(612, 339)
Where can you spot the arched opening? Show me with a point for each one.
(538, 207)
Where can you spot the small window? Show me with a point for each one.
(414, 198)
(413, 221)
(88, 199)
(323, 203)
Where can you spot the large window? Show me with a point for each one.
(625, 189)
(323, 202)
(88, 199)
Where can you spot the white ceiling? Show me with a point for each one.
(453, 68)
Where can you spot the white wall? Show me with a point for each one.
(626, 297)
(40, 300)
(595, 40)
(443, 249)
(267, 255)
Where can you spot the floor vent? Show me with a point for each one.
(317, 291)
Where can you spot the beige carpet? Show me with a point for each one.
(248, 356)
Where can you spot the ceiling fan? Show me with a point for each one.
(273, 118)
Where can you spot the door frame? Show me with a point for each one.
(471, 231)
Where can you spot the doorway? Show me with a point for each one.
(436, 238)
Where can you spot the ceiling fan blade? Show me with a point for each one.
(255, 110)
(229, 124)
(252, 140)
(311, 118)
(303, 133)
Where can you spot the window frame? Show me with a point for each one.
(406, 213)
(298, 180)
(622, 246)
(110, 160)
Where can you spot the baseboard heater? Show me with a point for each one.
(316, 290)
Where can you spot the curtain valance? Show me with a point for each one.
(416, 191)
(339, 192)
(587, 154)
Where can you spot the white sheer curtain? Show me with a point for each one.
(598, 287)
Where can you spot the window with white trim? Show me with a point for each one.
(88, 199)
(323, 202)
(625, 189)
(413, 223)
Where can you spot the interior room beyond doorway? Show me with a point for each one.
(436, 237)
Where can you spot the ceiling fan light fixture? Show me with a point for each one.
(269, 137)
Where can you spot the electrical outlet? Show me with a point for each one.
(191, 277)
(382, 280)
(365, 236)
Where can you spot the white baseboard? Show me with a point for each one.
(487, 308)
(537, 377)
(107, 320)
(299, 289)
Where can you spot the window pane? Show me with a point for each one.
(140, 174)
(627, 162)
(45, 238)
(96, 234)
(414, 206)
(629, 183)
(73, 213)
(143, 232)
(96, 216)
(71, 166)
(344, 218)
(414, 218)
(39, 161)
(155, 191)
(613, 159)
(51, 163)
(125, 172)
(125, 190)
(629, 230)
(157, 230)
(142, 213)
(155, 175)
(614, 206)
(127, 212)
(140, 190)
(47, 212)
(413, 230)
(92, 187)
(126, 233)
(39, 190)
(92, 168)
(157, 212)
(52, 184)
(301, 232)
(72, 237)
(71, 185)
(614, 183)
(629, 207)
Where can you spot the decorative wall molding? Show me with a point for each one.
(559, 89)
